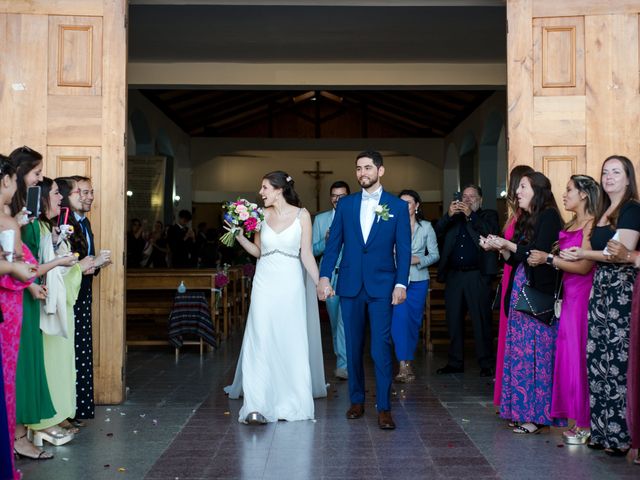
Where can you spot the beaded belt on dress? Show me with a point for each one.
(271, 252)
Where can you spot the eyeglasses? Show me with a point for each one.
(25, 149)
(339, 196)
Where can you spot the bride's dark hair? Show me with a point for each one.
(283, 180)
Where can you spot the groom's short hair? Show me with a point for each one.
(373, 155)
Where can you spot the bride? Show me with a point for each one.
(280, 369)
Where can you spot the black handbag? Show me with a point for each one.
(537, 304)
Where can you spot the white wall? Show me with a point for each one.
(226, 168)
(160, 125)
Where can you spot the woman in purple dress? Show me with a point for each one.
(527, 377)
(570, 398)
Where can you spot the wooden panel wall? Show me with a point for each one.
(63, 93)
(573, 86)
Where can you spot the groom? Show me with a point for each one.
(372, 229)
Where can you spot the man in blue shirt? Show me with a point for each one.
(321, 227)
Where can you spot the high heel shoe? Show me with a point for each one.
(255, 418)
(41, 456)
(576, 436)
(54, 436)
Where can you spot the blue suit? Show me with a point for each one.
(321, 224)
(369, 272)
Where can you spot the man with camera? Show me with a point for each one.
(468, 272)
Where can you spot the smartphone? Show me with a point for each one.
(33, 201)
(457, 196)
(63, 218)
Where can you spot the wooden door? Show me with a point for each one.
(63, 92)
(573, 85)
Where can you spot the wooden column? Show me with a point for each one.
(63, 81)
(573, 85)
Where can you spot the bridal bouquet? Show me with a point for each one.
(241, 215)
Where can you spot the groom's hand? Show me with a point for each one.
(324, 289)
(398, 296)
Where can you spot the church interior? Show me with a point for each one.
(220, 93)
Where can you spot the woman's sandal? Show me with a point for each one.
(43, 455)
(528, 428)
(616, 452)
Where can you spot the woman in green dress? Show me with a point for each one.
(33, 400)
(57, 320)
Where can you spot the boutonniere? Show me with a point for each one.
(382, 212)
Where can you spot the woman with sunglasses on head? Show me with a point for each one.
(617, 218)
(33, 400)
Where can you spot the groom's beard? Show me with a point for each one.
(366, 182)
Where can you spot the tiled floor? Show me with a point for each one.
(178, 424)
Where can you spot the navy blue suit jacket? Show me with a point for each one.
(380, 263)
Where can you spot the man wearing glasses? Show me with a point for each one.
(321, 225)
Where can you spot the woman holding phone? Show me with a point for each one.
(57, 321)
(33, 400)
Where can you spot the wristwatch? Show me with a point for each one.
(550, 259)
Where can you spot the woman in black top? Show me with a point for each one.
(610, 304)
(527, 377)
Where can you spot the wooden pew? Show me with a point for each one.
(143, 286)
(434, 322)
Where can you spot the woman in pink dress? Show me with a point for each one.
(11, 290)
(570, 397)
(512, 203)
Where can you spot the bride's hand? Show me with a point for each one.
(323, 289)
(228, 227)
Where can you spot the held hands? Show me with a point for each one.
(536, 257)
(398, 295)
(572, 254)
(23, 271)
(38, 292)
(618, 252)
(492, 242)
(324, 290)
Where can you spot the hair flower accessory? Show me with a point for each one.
(382, 212)
(288, 179)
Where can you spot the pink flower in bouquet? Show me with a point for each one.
(221, 280)
(250, 224)
(240, 215)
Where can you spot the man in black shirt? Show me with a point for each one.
(181, 240)
(468, 272)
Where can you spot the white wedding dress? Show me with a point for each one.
(280, 369)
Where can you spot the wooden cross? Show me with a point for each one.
(317, 176)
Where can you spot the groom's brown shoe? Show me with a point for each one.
(355, 411)
(385, 421)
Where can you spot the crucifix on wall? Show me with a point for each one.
(317, 176)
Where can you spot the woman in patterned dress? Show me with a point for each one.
(610, 305)
(527, 376)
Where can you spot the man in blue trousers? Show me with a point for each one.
(321, 228)
(372, 229)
